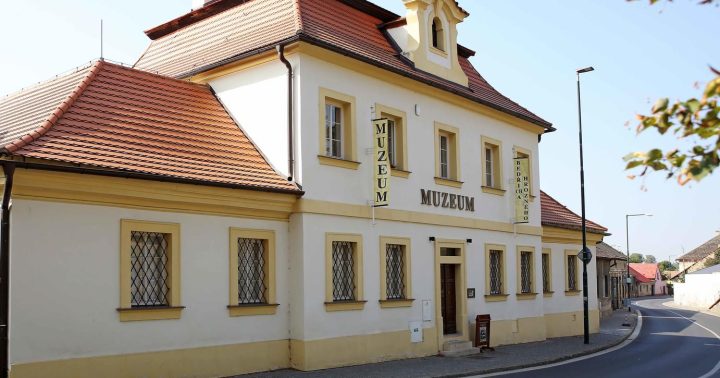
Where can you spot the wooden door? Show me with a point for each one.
(447, 298)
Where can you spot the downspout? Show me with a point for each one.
(291, 152)
(9, 170)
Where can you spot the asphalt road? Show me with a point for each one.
(671, 343)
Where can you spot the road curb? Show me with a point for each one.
(550, 361)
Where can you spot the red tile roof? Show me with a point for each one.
(555, 214)
(644, 272)
(187, 45)
(118, 118)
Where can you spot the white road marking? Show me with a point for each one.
(625, 343)
(693, 321)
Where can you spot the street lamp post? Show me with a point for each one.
(585, 250)
(627, 241)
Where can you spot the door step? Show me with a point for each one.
(458, 348)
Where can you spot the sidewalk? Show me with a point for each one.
(714, 311)
(503, 358)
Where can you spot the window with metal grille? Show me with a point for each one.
(572, 277)
(343, 268)
(525, 272)
(444, 157)
(546, 272)
(496, 272)
(489, 182)
(333, 130)
(251, 271)
(395, 271)
(149, 271)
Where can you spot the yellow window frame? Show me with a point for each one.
(268, 238)
(498, 187)
(502, 296)
(401, 147)
(346, 102)
(547, 291)
(173, 311)
(359, 302)
(453, 136)
(407, 300)
(568, 291)
(519, 294)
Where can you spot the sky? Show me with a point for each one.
(528, 50)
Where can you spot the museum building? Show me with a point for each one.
(279, 184)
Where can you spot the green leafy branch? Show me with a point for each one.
(698, 118)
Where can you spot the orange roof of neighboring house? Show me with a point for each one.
(555, 214)
(644, 272)
(228, 30)
(112, 117)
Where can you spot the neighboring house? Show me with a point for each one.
(611, 278)
(202, 215)
(695, 259)
(648, 280)
(562, 236)
(701, 289)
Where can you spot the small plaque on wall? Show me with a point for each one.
(471, 292)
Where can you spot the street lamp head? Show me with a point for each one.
(586, 69)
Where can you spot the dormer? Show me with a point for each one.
(429, 37)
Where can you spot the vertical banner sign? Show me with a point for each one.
(522, 190)
(381, 163)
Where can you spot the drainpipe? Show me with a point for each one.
(291, 152)
(9, 170)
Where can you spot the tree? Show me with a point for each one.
(666, 265)
(696, 121)
(650, 259)
(636, 258)
(713, 260)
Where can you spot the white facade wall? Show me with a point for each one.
(355, 186)
(65, 284)
(699, 290)
(320, 324)
(256, 98)
(559, 302)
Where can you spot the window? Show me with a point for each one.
(494, 272)
(447, 163)
(333, 130)
(492, 166)
(438, 35)
(547, 271)
(571, 272)
(526, 278)
(395, 289)
(525, 153)
(252, 272)
(397, 143)
(343, 276)
(337, 130)
(150, 271)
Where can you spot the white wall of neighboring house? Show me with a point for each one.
(699, 290)
(65, 284)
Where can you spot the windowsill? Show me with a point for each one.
(149, 313)
(437, 51)
(496, 297)
(345, 306)
(395, 303)
(495, 191)
(548, 294)
(252, 309)
(525, 296)
(448, 182)
(337, 162)
(572, 292)
(399, 173)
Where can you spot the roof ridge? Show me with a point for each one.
(58, 112)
